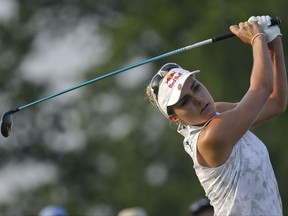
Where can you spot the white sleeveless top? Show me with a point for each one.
(245, 185)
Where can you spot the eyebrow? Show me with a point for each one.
(193, 84)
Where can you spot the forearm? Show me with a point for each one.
(262, 72)
(277, 101)
(279, 93)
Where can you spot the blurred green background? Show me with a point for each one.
(103, 148)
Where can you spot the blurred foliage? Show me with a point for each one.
(129, 154)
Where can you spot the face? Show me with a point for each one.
(196, 105)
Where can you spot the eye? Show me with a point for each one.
(184, 101)
(196, 87)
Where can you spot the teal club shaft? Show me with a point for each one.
(180, 50)
(274, 21)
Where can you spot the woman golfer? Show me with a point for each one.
(232, 164)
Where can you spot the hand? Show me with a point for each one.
(248, 31)
(265, 21)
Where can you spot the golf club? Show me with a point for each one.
(7, 119)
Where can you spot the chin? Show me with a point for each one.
(207, 114)
(211, 115)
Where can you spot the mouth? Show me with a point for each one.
(205, 107)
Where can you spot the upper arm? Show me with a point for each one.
(217, 140)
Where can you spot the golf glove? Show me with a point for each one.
(265, 21)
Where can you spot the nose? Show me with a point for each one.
(198, 101)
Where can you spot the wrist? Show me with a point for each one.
(275, 41)
(258, 36)
(275, 46)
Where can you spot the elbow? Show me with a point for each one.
(282, 103)
(269, 86)
(283, 106)
(280, 106)
(266, 87)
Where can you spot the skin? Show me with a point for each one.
(195, 105)
(208, 212)
(265, 99)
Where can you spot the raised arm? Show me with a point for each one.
(277, 101)
(217, 140)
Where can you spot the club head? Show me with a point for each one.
(6, 123)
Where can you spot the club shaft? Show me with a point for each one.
(105, 76)
(180, 50)
(274, 21)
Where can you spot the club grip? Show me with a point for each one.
(274, 21)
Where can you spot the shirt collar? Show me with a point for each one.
(186, 130)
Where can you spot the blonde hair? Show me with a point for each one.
(151, 99)
(149, 94)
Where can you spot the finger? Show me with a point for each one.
(267, 20)
(234, 28)
(252, 19)
(241, 25)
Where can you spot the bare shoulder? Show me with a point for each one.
(213, 146)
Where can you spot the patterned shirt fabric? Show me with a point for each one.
(245, 185)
